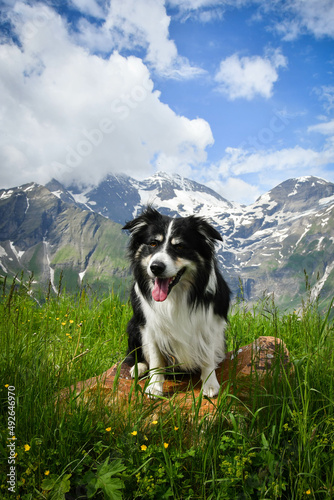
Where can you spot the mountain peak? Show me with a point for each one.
(176, 186)
(57, 189)
(297, 194)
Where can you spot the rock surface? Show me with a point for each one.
(257, 360)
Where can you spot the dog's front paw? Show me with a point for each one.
(210, 391)
(211, 387)
(154, 390)
(154, 387)
(141, 368)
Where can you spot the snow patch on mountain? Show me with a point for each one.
(17, 253)
(325, 201)
(316, 289)
(81, 275)
(3, 253)
(57, 193)
(80, 197)
(6, 194)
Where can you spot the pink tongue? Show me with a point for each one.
(160, 289)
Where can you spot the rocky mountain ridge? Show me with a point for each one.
(43, 235)
(267, 245)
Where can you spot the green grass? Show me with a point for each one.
(275, 443)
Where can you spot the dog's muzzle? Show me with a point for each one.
(163, 286)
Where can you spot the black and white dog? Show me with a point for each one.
(179, 299)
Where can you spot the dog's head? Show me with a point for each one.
(170, 250)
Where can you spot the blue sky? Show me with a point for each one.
(236, 94)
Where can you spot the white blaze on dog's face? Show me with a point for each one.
(165, 266)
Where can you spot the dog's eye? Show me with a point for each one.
(179, 246)
(153, 243)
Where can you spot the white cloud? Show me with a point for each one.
(235, 189)
(241, 162)
(326, 128)
(73, 115)
(288, 29)
(90, 7)
(242, 175)
(297, 16)
(188, 5)
(204, 11)
(326, 96)
(247, 77)
(141, 25)
(316, 16)
(302, 16)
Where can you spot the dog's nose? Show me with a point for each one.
(157, 268)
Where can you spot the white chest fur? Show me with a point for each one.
(193, 336)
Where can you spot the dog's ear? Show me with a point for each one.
(209, 231)
(148, 216)
(134, 225)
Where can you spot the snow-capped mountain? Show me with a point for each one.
(43, 235)
(120, 197)
(267, 245)
(286, 233)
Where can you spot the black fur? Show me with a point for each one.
(198, 239)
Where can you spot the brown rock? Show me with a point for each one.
(258, 359)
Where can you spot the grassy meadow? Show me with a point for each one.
(276, 443)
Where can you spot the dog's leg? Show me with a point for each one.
(156, 364)
(141, 369)
(210, 383)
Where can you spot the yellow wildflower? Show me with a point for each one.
(154, 422)
(134, 433)
(166, 445)
(7, 385)
(176, 428)
(26, 447)
(143, 447)
(108, 429)
(47, 472)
